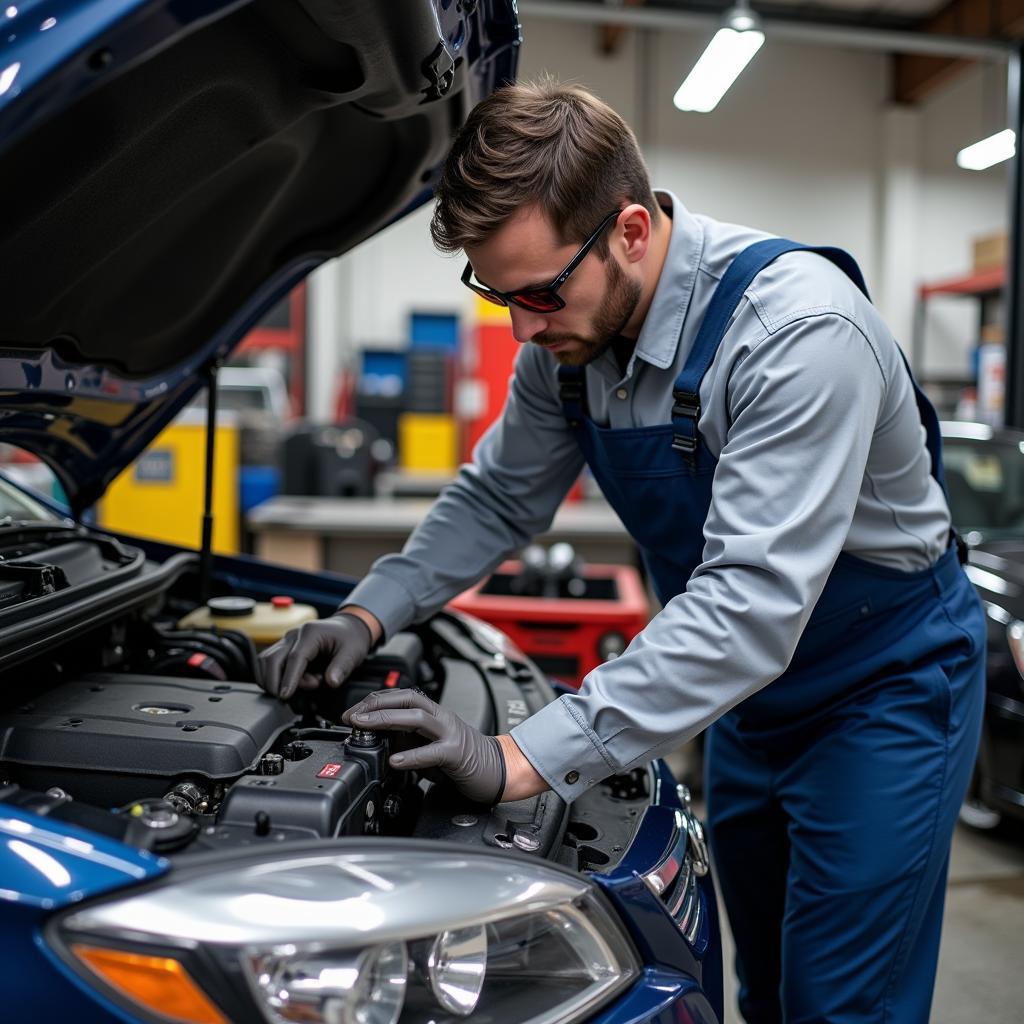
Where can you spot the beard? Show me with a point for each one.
(621, 298)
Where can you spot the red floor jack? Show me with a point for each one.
(567, 616)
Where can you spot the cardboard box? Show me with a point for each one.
(991, 251)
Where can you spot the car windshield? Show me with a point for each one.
(17, 505)
(985, 480)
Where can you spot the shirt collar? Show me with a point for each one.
(659, 336)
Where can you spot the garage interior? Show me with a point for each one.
(353, 402)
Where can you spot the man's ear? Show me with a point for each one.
(633, 232)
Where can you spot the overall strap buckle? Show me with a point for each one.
(685, 414)
(572, 393)
(570, 390)
(686, 405)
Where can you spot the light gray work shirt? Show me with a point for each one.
(810, 412)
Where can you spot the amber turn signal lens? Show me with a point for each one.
(159, 983)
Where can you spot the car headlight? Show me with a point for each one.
(457, 968)
(368, 935)
(368, 988)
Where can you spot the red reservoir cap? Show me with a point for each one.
(281, 601)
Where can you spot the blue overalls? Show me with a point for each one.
(833, 791)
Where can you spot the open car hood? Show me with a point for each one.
(171, 169)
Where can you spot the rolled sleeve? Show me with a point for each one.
(803, 406)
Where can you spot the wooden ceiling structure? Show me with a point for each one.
(929, 43)
(917, 75)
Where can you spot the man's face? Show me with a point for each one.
(600, 296)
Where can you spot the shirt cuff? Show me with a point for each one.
(387, 600)
(564, 749)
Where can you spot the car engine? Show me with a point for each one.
(125, 723)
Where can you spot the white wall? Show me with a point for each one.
(792, 148)
(804, 144)
(958, 206)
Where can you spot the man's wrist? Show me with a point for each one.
(372, 623)
(522, 780)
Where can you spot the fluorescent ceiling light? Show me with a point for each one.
(720, 65)
(993, 150)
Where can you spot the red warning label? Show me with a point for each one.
(392, 679)
(328, 771)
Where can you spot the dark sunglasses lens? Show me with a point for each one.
(489, 296)
(538, 301)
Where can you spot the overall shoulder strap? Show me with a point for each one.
(742, 271)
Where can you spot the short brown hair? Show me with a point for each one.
(543, 143)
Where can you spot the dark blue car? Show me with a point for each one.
(176, 846)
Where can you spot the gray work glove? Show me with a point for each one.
(328, 649)
(474, 762)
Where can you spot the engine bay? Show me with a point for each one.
(160, 736)
(184, 761)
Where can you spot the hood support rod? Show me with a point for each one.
(206, 550)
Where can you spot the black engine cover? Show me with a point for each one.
(312, 796)
(112, 738)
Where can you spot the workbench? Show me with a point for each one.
(348, 534)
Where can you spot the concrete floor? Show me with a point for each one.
(981, 960)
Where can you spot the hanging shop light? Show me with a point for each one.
(731, 50)
(995, 148)
(988, 152)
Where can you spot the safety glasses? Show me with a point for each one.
(544, 299)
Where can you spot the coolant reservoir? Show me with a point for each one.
(264, 621)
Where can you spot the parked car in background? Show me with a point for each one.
(251, 390)
(985, 479)
(175, 844)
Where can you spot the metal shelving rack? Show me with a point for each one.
(984, 286)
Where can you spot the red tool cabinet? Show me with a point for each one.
(566, 636)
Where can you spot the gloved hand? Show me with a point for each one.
(335, 646)
(474, 762)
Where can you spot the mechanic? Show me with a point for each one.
(749, 416)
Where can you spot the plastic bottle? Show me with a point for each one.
(264, 621)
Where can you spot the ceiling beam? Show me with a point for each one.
(915, 76)
(610, 37)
